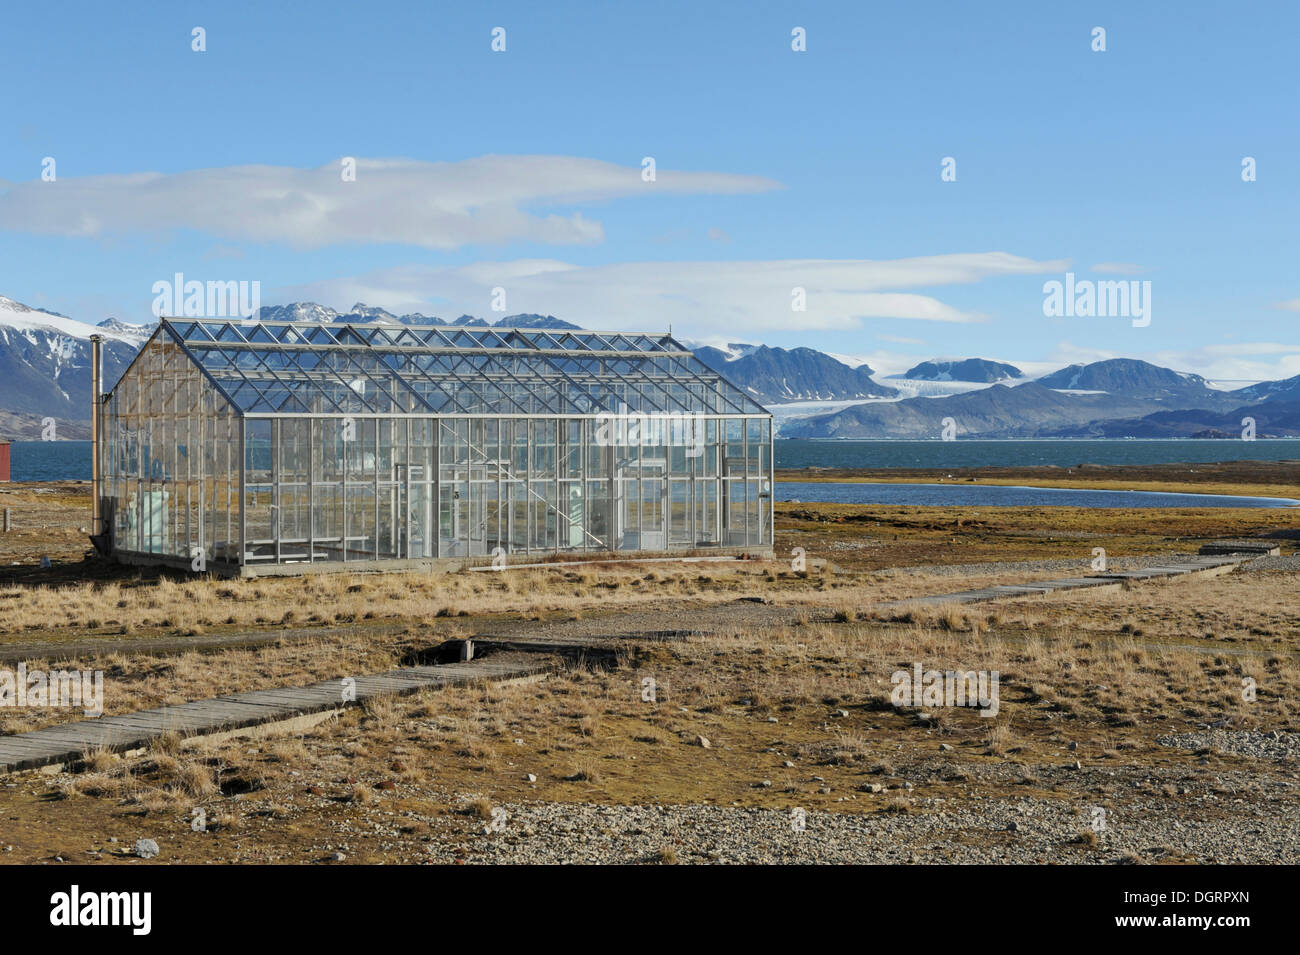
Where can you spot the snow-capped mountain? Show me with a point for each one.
(298, 312)
(969, 369)
(361, 312)
(733, 351)
(924, 388)
(45, 360)
(45, 356)
(1288, 389)
(1119, 397)
(125, 331)
(16, 316)
(1132, 378)
(783, 375)
(45, 372)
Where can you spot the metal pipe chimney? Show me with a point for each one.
(96, 525)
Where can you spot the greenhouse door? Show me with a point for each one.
(462, 521)
(414, 513)
(678, 506)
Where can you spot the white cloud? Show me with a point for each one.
(1290, 305)
(435, 205)
(1253, 348)
(1232, 364)
(699, 299)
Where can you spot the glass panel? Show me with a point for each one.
(371, 474)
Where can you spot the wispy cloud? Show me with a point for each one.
(1119, 268)
(434, 205)
(698, 298)
(1290, 305)
(1253, 348)
(1231, 363)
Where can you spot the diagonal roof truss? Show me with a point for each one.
(309, 368)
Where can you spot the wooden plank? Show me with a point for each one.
(65, 742)
(300, 702)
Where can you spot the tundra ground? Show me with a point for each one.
(1154, 722)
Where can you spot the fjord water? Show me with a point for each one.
(995, 495)
(49, 461)
(1065, 454)
(70, 460)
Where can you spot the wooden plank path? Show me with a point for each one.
(67, 742)
(1175, 568)
(1252, 548)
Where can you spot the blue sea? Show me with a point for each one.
(70, 460)
(49, 461)
(1065, 454)
(994, 495)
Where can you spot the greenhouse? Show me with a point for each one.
(276, 447)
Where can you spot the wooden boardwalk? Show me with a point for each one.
(129, 731)
(68, 741)
(1176, 568)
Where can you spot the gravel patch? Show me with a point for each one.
(1289, 563)
(1007, 831)
(1274, 745)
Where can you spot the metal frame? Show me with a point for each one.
(281, 384)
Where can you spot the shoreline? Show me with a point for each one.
(1279, 479)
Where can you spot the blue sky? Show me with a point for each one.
(820, 169)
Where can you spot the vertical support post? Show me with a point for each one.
(771, 483)
(243, 490)
(277, 475)
(561, 516)
(586, 485)
(312, 425)
(347, 501)
(407, 504)
(744, 433)
(374, 491)
(96, 403)
(724, 495)
(435, 520)
(515, 486)
(692, 497)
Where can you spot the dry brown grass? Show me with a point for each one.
(165, 606)
(588, 737)
(1249, 609)
(1107, 670)
(190, 606)
(1059, 648)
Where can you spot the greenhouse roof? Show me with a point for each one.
(296, 368)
